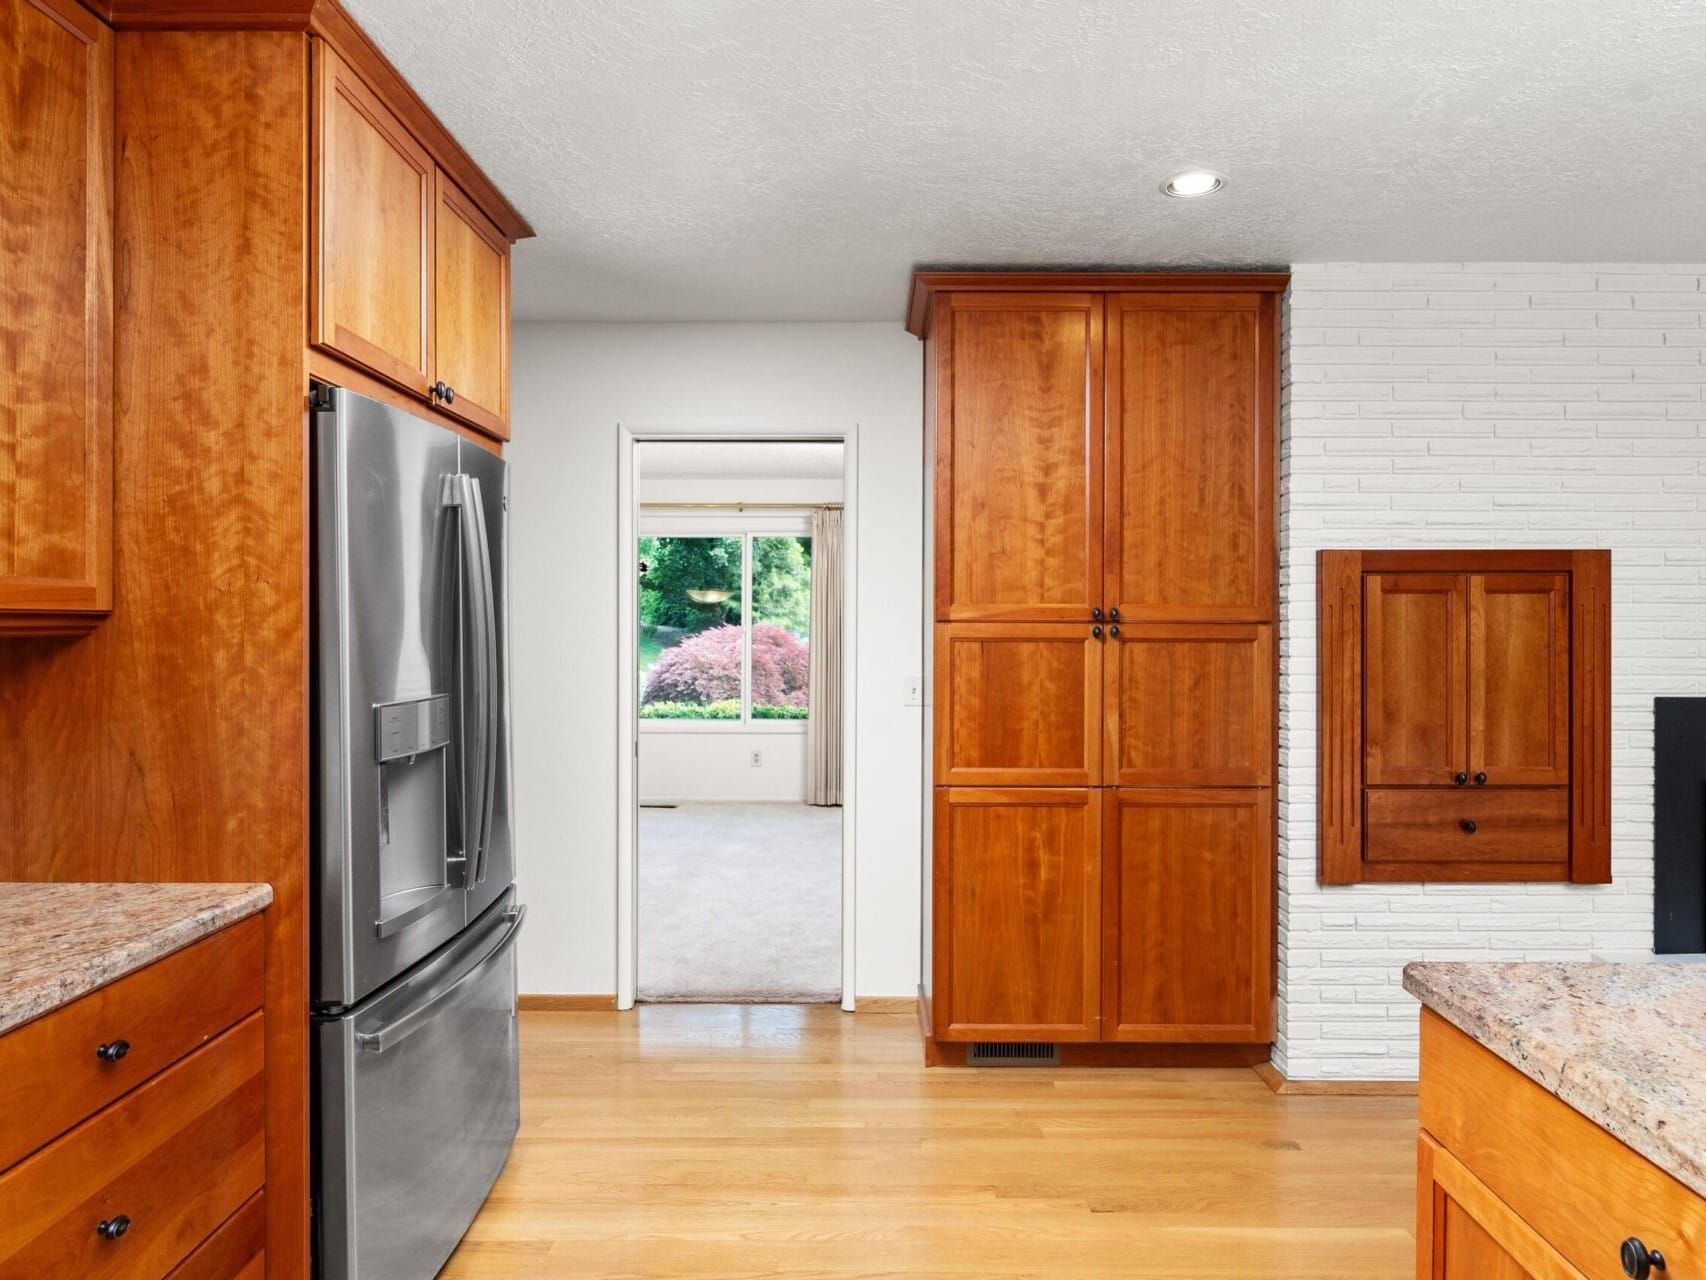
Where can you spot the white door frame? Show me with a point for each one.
(629, 435)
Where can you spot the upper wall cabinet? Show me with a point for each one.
(56, 238)
(1018, 457)
(1190, 456)
(411, 278)
(1465, 715)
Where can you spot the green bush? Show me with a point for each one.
(763, 711)
(728, 709)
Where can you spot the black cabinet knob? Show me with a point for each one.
(1097, 632)
(1114, 631)
(113, 1050)
(1480, 779)
(449, 394)
(1639, 1261)
(1096, 614)
(1461, 779)
(1469, 825)
(113, 1228)
(1114, 614)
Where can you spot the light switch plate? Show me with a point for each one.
(914, 691)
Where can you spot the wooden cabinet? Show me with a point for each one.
(56, 332)
(411, 278)
(123, 1165)
(1465, 714)
(1018, 467)
(1103, 584)
(1190, 456)
(1512, 1182)
(1018, 905)
(1187, 910)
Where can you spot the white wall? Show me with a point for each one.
(572, 385)
(1451, 406)
(716, 764)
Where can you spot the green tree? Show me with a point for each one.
(782, 582)
(671, 567)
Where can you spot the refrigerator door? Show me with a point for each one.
(418, 1101)
(388, 869)
(491, 855)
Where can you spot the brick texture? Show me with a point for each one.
(1483, 405)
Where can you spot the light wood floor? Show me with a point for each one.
(742, 1141)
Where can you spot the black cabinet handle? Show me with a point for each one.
(1639, 1261)
(1480, 779)
(113, 1050)
(1461, 779)
(449, 394)
(442, 390)
(1114, 632)
(1469, 825)
(1114, 615)
(1096, 614)
(1097, 632)
(113, 1228)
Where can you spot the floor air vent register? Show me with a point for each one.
(999, 1053)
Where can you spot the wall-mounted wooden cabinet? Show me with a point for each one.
(1465, 715)
(56, 332)
(411, 278)
(1103, 588)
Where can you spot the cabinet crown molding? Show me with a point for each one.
(927, 284)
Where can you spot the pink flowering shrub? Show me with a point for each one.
(706, 668)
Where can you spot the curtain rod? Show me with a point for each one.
(740, 506)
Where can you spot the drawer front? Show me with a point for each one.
(1466, 825)
(1579, 1188)
(51, 1077)
(174, 1160)
(237, 1251)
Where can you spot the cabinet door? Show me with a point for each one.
(1188, 916)
(471, 312)
(1519, 678)
(56, 232)
(373, 201)
(1190, 457)
(1018, 704)
(1019, 457)
(1414, 635)
(1190, 705)
(1017, 914)
(1465, 1232)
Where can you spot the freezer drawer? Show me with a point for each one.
(417, 1103)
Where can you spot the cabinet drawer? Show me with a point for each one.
(173, 1160)
(1580, 1189)
(1465, 825)
(50, 1075)
(237, 1251)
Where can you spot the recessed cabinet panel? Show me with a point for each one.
(1189, 457)
(56, 345)
(1188, 916)
(1017, 897)
(471, 312)
(1190, 706)
(1519, 678)
(1413, 659)
(1018, 704)
(1019, 455)
(373, 204)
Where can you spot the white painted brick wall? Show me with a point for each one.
(1483, 405)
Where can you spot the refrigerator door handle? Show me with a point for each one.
(490, 705)
(462, 492)
(405, 1025)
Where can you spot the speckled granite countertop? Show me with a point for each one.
(1624, 1044)
(61, 941)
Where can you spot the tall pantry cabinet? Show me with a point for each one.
(1102, 710)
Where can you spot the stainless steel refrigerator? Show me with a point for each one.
(414, 916)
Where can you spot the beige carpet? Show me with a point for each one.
(740, 902)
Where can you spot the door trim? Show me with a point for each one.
(629, 435)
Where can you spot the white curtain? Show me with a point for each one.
(823, 719)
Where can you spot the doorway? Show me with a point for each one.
(735, 875)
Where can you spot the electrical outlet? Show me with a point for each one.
(757, 759)
(914, 691)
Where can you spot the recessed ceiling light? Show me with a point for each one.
(1193, 182)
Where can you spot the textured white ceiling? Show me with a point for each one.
(743, 459)
(768, 159)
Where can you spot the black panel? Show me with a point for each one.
(1679, 826)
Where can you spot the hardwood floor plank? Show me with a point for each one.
(720, 1141)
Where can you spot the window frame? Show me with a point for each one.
(734, 523)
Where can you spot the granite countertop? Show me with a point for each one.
(61, 941)
(1624, 1044)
